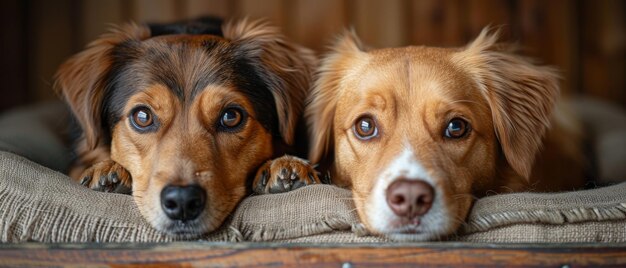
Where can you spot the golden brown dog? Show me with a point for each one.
(184, 115)
(419, 132)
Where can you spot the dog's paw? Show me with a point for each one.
(107, 176)
(284, 174)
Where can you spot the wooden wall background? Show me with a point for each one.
(586, 39)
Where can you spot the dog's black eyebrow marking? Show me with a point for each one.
(203, 25)
(216, 50)
(161, 64)
(251, 78)
(117, 87)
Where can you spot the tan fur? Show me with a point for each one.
(413, 92)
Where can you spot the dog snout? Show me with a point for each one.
(410, 198)
(183, 203)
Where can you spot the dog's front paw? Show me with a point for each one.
(284, 174)
(107, 176)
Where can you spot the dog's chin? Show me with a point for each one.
(409, 237)
(187, 229)
(184, 229)
(435, 225)
(413, 233)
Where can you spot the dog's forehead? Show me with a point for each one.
(186, 64)
(411, 72)
(424, 54)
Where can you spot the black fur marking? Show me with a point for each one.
(204, 25)
(160, 64)
(218, 51)
(118, 88)
(250, 78)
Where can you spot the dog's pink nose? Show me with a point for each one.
(410, 198)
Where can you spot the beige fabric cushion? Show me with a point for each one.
(605, 124)
(39, 204)
(38, 132)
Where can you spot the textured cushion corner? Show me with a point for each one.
(597, 215)
(38, 132)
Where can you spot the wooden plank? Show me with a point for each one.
(197, 8)
(272, 255)
(273, 10)
(97, 17)
(482, 13)
(156, 10)
(306, 26)
(437, 22)
(380, 23)
(547, 32)
(603, 48)
(13, 70)
(54, 39)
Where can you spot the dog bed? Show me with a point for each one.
(39, 203)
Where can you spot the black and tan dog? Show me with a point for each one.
(183, 115)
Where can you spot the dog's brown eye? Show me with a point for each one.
(457, 128)
(365, 128)
(142, 118)
(231, 118)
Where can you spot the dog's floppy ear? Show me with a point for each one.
(285, 67)
(80, 79)
(521, 95)
(322, 101)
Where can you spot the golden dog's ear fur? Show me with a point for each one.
(322, 101)
(80, 79)
(521, 95)
(287, 68)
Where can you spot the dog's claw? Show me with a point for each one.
(85, 180)
(114, 177)
(103, 180)
(284, 174)
(264, 177)
(111, 178)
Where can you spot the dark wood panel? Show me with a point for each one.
(12, 48)
(53, 36)
(437, 22)
(380, 23)
(196, 8)
(273, 10)
(272, 255)
(547, 33)
(98, 16)
(603, 49)
(496, 13)
(306, 27)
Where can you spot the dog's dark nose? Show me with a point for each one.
(183, 202)
(410, 198)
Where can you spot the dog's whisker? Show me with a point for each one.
(461, 196)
